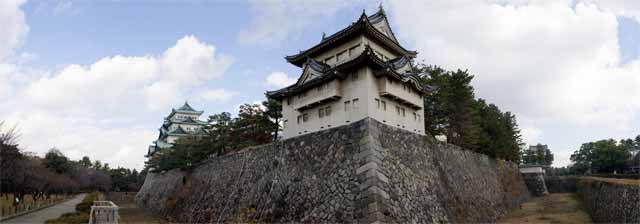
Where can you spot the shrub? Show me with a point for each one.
(72, 217)
(85, 205)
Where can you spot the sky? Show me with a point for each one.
(96, 78)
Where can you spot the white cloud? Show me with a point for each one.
(216, 95)
(530, 134)
(112, 83)
(628, 8)
(274, 21)
(548, 61)
(13, 25)
(279, 80)
(104, 109)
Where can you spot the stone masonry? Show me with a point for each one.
(536, 183)
(366, 172)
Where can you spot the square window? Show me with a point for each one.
(346, 105)
(355, 103)
(415, 116)
(299, 118)
(305, 117)
(398, 110)
(327, 111)
(384, 105)
(403, 112)
(321, 112)
(378, 103)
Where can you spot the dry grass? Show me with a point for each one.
(614, 180)
(552, 208)
(129, 211)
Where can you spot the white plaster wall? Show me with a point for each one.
(399, 89)
(182, 116)
(378, 48)
(340, 48)
(390, 116)
(350, 89)
(365, 89)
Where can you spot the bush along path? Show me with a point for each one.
(81, 213)
(51, 212)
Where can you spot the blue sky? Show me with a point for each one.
(96, 77)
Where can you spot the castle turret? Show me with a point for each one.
(180, 122)
(361, 71)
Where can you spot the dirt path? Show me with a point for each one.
(552, 208)
(48, 213)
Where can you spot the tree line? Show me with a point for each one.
(23, 173)
(453, 111)
(605, 156)
(255, 124)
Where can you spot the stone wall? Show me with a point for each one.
(561, 184)
(535, 183)
(610, 201)
(363, 172)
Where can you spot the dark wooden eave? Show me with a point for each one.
(362, 26)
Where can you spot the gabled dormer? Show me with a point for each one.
(312, 69)
(381, 23)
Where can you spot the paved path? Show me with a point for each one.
(48, 213)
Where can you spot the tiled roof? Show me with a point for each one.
(365, 24)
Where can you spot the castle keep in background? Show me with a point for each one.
(180, 122)
(358, 72)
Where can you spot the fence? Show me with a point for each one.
(103, 212)
(8, 209)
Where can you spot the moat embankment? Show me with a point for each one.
(363, 172)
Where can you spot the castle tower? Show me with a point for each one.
(361, 71)
(181, 122)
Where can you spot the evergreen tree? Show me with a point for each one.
(451, 110)
(274, 113)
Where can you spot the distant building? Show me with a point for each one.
(361, 71)
(538, 155)
(180, 122)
